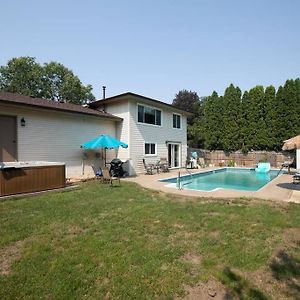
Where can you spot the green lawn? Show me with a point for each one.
(131, 243)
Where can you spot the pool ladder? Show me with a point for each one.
(179, 184)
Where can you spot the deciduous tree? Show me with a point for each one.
(186, 100)
(22, 75)
(62, 84)
(50, 81)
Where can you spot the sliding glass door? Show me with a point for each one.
(174, 155)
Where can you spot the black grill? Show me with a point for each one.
(116, 168)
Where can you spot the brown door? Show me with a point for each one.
(8, 138)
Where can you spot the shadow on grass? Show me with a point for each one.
(240, 287)
(286, 269)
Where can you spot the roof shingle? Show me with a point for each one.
(130, 96)
(19, 99)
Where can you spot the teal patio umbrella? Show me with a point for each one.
(103, 141)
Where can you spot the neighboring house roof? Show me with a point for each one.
(133, 96)
(18, 99)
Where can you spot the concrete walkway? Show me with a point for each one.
(279, 189)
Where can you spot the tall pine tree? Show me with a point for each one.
(213, 111)
(270, 117)
(245, 131)
(231, 138)
(257, 131)
(262, 120)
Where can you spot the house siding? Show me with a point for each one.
(56, 136)
(136, 134)
(141, 133)
(123, 129)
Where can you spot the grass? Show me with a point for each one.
(130, 243)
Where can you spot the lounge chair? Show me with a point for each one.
(296, 178)
(202, 163)
(263, 167)
(107, 178)
(191, 163)
(148, 168)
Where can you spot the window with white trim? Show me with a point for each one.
(150, 149)
(176, 121)
(149, 115)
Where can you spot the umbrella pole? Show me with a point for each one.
(104, 157)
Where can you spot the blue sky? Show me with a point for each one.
(157, 48)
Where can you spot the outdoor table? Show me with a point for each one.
(155, 167)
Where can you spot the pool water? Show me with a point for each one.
(227, 178)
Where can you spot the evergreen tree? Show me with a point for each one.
(279, 122)
(262, 120)
(213, 123)
(292, 104)
(297, 107)
(256, 128)
(270, 117)
(287, 120)
(196, 131)
(231, 138)
(245, 131)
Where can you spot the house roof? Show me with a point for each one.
(18, 99)
(130, 96)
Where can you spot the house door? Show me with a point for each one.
(174, 155)
(8, 137)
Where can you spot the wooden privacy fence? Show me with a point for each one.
(222, 158)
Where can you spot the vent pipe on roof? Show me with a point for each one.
(103, 88)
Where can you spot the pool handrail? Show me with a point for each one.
(178, 183)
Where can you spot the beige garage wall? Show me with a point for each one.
(56, 136)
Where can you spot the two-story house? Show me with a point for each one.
(33, 129)
(152, 129)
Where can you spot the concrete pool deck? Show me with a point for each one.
(279, 189)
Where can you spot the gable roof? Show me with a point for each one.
(18, 99)
(130, 96)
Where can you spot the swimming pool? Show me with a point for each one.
(226, 178)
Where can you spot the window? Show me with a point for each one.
(150, 149)
(149, 115)
(176, 121)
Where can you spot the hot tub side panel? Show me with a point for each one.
(31, 179)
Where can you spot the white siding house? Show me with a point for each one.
(56, 136)
(170, 142)
(53, 131)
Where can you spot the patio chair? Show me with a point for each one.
(148, 168)
(201, 162)
(288, 165)
(296, 178)
(164, 165)
(107, 178)
(97, 171)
